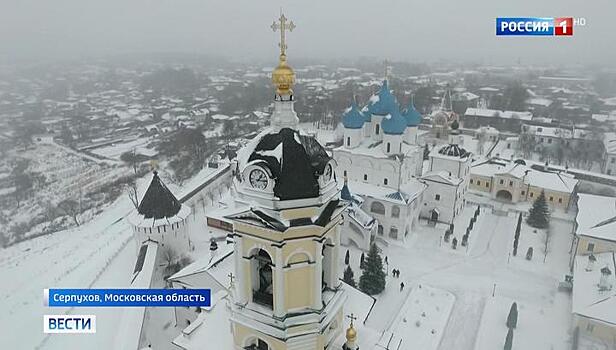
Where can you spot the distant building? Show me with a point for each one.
(609, 153)
(501, 120)
(515, 182)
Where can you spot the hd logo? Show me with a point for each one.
(69, 324)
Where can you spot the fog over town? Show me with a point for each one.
(339, 174)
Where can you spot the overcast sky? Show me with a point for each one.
(409, 30)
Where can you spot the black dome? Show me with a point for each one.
(296, 169)
(453, 150)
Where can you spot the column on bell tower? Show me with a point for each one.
(279, 300)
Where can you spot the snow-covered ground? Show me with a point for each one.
(116, 150)
(421, 320)
(540, 325)
(76, 258)
(474, 277)
(98, 254)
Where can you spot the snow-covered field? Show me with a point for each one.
(76, 258)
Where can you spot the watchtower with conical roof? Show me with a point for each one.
(160, 217)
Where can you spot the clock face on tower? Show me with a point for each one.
(258, 179)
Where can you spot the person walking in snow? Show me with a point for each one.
(401, 286)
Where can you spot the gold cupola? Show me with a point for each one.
(351, 334)
(283, 76)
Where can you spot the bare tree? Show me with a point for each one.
(133, 195)
(527, 144)
(70, 207)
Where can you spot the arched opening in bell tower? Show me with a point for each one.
(254, 343)
(327, 265)
(262, 281)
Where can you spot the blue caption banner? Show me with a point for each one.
(126, 297)
(525, 26)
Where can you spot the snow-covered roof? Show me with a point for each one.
(442, 176)
(211, 329)
(549, 180)
(484, 112)
(367, 147)
(609, 142)
(588, 299)
(217, 265)
(539, 101)
(408, 191)
(595, 216)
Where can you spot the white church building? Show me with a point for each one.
(381, 163)
(447, 177)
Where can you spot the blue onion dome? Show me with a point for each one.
(413, 117)
(384, 102)
(394, 124)
(353, 118)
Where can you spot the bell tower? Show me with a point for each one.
(287, 294)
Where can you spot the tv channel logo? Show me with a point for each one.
(69, 324)
(535, 26)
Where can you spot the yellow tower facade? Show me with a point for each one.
(287, 237)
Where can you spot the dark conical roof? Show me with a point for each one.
(158, 202)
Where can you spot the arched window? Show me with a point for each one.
(348, 141)
(388, 147)
(345, 173)
(385, 181)
(377, 129)
(262, 281)
(395, 211)
(256, 344)
(393, 232)
(329, 271)
(377, 207)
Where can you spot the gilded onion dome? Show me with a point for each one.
(351, 334)
(283, 77)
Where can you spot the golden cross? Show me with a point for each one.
(283, 26)
(352, 317)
